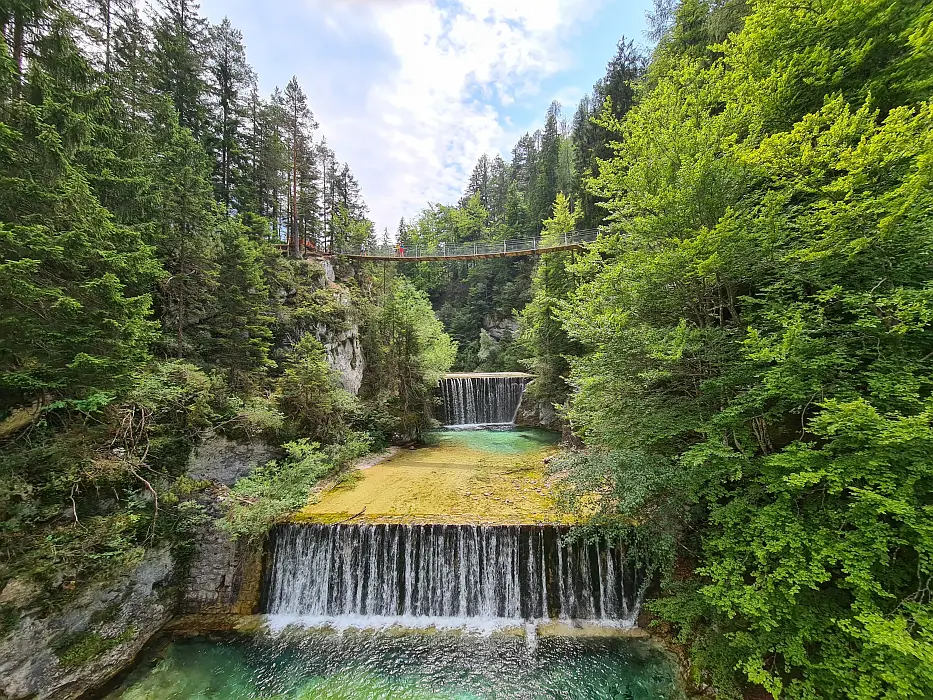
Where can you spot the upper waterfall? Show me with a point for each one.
(482, 399)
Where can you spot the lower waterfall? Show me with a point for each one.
(457, 575)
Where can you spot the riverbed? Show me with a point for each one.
(440, 572)
(458, 477)
(409, 666)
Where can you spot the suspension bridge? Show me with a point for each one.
(468, 251)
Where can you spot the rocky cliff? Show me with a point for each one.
(62, 655)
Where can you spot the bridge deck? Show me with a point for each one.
(469, 256)
(474, 251)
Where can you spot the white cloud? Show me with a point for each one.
(422, 126)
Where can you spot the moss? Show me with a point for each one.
(78, 649)
(465, 478)
(349, 478)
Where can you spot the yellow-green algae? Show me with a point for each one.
(479, 477)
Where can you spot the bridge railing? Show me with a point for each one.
(459, 250)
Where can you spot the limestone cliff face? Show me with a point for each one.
(539, 413)
(501, 328)
(63, 655)
(344, 351)
(224, 461)
(339, 334)
(224, 575)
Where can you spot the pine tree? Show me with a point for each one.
(74, 313)
(525, 163)
(231, 79)
(544, 190)
(615, 91)
(239, 323)
(498, 189)
(114, 157)
(299, 124)
(186, 226)
(479, 183)
(543, 334)
(178, 66)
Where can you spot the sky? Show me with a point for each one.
(410, 93)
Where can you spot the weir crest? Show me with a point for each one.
(473, 400)
(466, 576)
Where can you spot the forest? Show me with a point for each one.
(741, 364)
(147, 192)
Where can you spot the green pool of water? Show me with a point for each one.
(357, 666)
(511, 441)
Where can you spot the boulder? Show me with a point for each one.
(66, 654)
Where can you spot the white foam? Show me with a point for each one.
(484, 626)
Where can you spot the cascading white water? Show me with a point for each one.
(482, 399)
(460, 575)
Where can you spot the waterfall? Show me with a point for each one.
(482, 399)
(458, 575)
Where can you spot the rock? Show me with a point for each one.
(18, 593)
(500, 328)
(225, 461)
(344, 353)
(539, 414)
(225, 576)
(98, 634)
(328, 268)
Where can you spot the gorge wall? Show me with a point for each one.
(60, 655)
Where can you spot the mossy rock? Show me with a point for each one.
(77, 649)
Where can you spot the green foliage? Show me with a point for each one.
(755, 382)
(408, 352)
(240, 322)
(72, 281)
(280, 487)
(144, 185)
(542, 334)
(73, 501)
(311, 396)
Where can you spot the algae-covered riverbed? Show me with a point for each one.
(475, 476)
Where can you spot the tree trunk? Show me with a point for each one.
(295, 243)
(108, 23)
(18, 50)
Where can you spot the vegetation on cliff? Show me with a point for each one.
(145, 188)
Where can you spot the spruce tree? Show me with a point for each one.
(186, 223)
(74, 312)
(231, 79)
(178, 61)
(239, 323)
(299, 124)
(544, 189)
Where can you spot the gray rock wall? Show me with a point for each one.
(63, 655)
(535, 413)
(224, 461)
(344, 351)
(225, 575)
